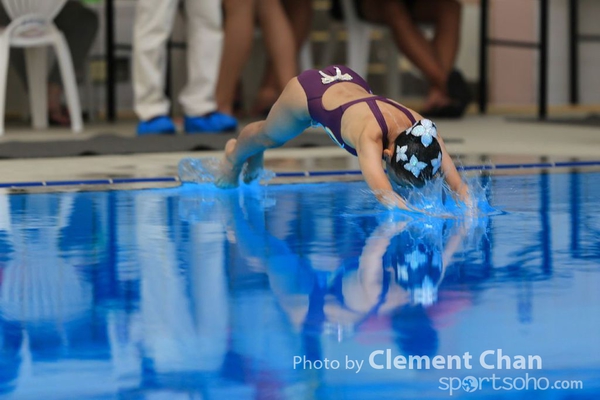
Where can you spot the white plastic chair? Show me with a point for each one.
(358, 46)
(32, 28)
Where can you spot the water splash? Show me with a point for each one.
(198, 170)
(206, 170)
(436, 199)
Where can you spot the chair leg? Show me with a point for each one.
(69, 81)
(89, 93)
(393, 72)
(4, 47)
(358, 46)
(326, 58)
(358, 42)
(36, 63)
(306, 58)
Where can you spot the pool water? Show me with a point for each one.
(306, 291)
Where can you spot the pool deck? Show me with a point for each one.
(487, 140)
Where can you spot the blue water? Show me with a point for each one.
(261, 292)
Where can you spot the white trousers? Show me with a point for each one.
(152, 28)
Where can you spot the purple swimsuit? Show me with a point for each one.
(315, 83)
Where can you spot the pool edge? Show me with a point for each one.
(173, 181)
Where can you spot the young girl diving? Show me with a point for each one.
(371, 127)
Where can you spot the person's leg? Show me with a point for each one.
(299, 13)
(287, 119)
(445, 15)
(151, 30)
(79, 25)
(279, 40)
(408, 37)
(239, 34)
(411, 42)
(205, 41)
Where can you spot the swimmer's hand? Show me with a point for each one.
(392, 200)
(470, 205)
(464, 195)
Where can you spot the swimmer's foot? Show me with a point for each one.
(254, 167)
(229, 174)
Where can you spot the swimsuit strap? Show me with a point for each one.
(408, 114)
(404, 110)
(372, 103)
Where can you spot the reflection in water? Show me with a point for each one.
(395, 277)
(201, 293)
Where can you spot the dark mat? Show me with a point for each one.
(108, 143)
(591, 120)
(104, 144)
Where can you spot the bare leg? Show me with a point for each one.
(299, 13)
(412, 42)
(55, 109)
(239, 33)
(445, 15)
(408, 37)
(288, 118)
(279, 40)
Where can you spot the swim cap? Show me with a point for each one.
(417, 156)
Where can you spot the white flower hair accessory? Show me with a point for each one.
(426, 130)
(415, 166)
(401, 153)
(436, 163)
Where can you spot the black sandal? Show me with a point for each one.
(452, 111)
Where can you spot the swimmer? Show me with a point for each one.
(371, 127)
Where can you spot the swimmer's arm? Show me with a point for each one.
(376, 245)
(369, 159)
(453, 244)
(452, 176)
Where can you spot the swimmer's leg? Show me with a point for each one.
(287, 119)
(229, 174)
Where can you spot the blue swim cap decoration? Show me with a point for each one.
(415, 166)
(436, 163)
(425, 129)
(401, 153)
(418, 154)
(416, 255)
